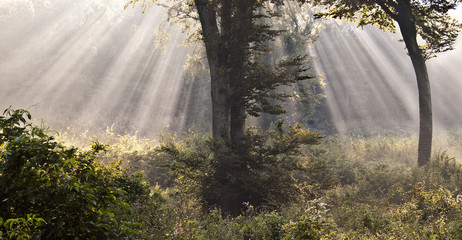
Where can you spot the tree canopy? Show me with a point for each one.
(236, 35)
(431, 17)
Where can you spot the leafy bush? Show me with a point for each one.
(20, 228)
(343, 188)
(137, 152)
(261, 174)
(361, 199)
(328, 165)
(442, 170)
(76, 196)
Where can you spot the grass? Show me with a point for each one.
(352, 187)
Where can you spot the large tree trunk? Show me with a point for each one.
(217, 59)
(409, 33)
(237, 130)
(226, 45)
(242, 25)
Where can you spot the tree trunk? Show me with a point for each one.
(237, 127)
(242, 22)
(226, 45)
(217, 58)
(409, 33)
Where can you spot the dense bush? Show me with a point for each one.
(261, 174)
(377, 201)
(343, 188)
(48, 191)
(299, 222)
(401, 203)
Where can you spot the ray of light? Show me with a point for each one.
(90, 63)
(371, 83)
(93, 64)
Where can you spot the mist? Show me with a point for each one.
(93, 65)
(370, 82)
(90, 64)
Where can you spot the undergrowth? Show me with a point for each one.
(347, 188)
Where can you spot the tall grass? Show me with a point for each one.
(352, 187)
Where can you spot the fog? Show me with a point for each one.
(90, 64)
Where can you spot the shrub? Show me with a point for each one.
(261, 174)
(431, 213)
(20, 228)
(328, 165)
(76, 196)
(442, 170)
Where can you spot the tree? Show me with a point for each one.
(234, 41)
(428, 19)
(249, 165)
(265, 176)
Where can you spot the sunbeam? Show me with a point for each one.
(370, 83)
(93, 64)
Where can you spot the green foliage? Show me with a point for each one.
(20, 228)
(68, 193)
(152, 215)
(432, 21)
(443, 171)
(433, 213)
(258, 89)
(344, 188)
(137, 153)
(401, 203)
(430, 213)
(262, 175)
(328, 166)
(309, 221)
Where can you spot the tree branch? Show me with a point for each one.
(387, 10)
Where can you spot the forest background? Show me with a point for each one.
(362, 184)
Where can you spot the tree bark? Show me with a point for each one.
(409, 32)
(241, 25)
(216, 56)
(226, 44)
(237, 127)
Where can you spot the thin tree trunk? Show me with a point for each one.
(409, 33)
